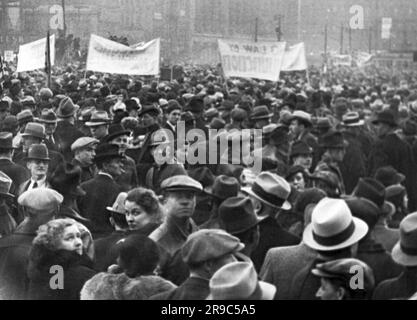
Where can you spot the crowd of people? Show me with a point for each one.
(87, 212)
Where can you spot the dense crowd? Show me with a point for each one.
(88, 212)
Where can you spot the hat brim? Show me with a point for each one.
(286, 205)
(109, 156)
(114, 211)
(361, 230)
(175, 189)
(48, 121)
(361, 123)
(117, 134)
(402, 258)
(32, 135)
(97, 124)
(392, 124)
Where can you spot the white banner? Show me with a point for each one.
(295, 58)
(111, 57)
(342, 60)
(32, 56)
(260, 60)
(362, 58)
(386, 28)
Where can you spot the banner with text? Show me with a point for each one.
(32, 55)
(260, 60)
(111, 57)
(295, 58)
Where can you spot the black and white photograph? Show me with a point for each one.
(208, 150)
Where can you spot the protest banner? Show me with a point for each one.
(111, 57)
(341, 60)
(295, 58)
(32, 55)
(246, 59)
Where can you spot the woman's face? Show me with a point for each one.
(328, 291)
(136, 216)
(298, 182)
(71, 240)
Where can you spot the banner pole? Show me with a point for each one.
(48, 59)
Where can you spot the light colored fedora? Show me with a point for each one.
(352, 119)
(405, 251)
(239, 281)
(272, 190)
(333, 227)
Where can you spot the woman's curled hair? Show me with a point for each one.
(49, 234)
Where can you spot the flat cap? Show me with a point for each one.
(41, 199)
(181, 183)
(206, 245)
(83, 143)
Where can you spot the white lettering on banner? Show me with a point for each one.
(261, 60)
(32, 55)
(112, 57)
(8, 56)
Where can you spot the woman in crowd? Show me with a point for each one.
(133, 278)
(59, 262)
(143, 211)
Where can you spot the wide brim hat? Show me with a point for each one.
(286, 206)
(5, 184)
(402, 258)
(116, 131)
(38, 152)
(360, 231)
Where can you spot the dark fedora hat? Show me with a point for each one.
(374, 191)
(365, 210)
(238, 215)
(277, 136)
(38, 152)
(149, 109)
(196, 105)
(66, 108)
(261, 112)
(36, 130)
(5, 184)
(333, 140)
(6, 140)
(224, 187)
(203, 175)
(323, 123)
(386, 117)
(116, 131)
(106, 151)
(388, 176)
(48, 116)
(217, 124)
(300, 148)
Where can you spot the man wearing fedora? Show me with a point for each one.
(17, 173)
(276, 146)
(405, 254)
(334, 148)
(99, 125)
(333, 236)
(35, 134)
(66, 133)
(37, 162)
(238, 218)
(105, 248)
(261, 117)
(204, 252)
(301, 125)
(7, 223)
(179, 194)
(370, 251)
(40, 206)
(84, 150)
(148, 118)
(49, 120)
(269, 195)
(223, 188)
(120, 137)
(390, 150)
(102, 190)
